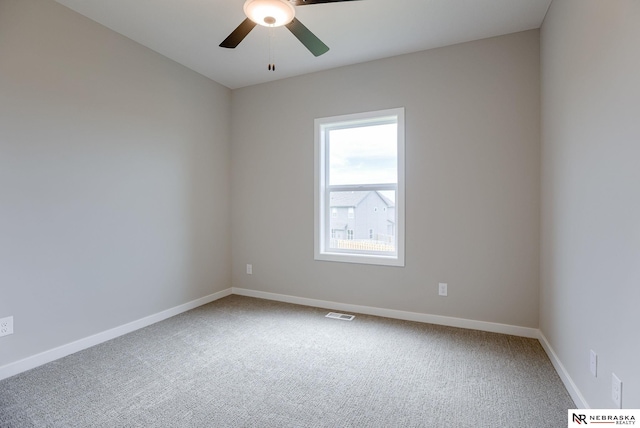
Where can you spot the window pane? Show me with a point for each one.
(357, 226)
(363, 155)
(359, 176)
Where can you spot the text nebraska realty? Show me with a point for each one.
(606, 419)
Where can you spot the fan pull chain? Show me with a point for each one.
(272, 65)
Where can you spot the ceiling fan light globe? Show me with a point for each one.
(269, 13)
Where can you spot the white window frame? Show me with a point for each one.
(322, 189)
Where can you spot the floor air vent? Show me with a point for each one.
(340, 316)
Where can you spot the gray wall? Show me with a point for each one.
(590, 278)
(114, 167)
(472, 181)
(115, 175)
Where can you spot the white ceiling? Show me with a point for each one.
(189, 31)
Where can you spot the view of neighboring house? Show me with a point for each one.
(362, 216)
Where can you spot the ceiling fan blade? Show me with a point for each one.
(238, 34)
(306, 2)
(307, 38)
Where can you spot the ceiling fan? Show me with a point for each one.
(275, 13)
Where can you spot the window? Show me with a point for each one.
(359, 165)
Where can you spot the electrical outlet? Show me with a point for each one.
(593, 363)
(442, 289)
(616, 390)
(6, 326)
(249, 270)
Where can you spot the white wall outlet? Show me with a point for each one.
(6, 326)
(442, 289)
(593, 363)
(616, 390)
(249, 270)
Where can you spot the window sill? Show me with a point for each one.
(361, 259)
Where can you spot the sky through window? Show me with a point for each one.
(363, 155)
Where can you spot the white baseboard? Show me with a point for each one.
(533, 333)
(573, 390)
(31, 362)
(28, 363)
(392, 313)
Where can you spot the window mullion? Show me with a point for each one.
(361, 187)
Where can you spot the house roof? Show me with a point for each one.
(353, 199)
(347, 199)
(386, 200)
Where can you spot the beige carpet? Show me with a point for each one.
(244, 362)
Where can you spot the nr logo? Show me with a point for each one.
(580, 419)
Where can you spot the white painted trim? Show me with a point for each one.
(33, 361)
(573, 390)
(322, 188)
(392, 313)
